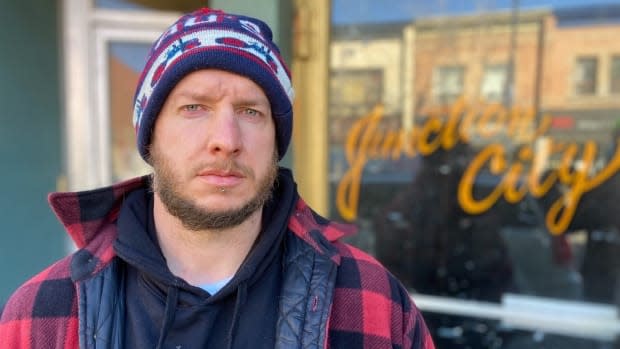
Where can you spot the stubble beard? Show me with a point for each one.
(197, 218)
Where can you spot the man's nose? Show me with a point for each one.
(225, 133)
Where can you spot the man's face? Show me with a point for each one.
(213, 150)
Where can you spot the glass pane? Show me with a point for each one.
(125, 63)
(474, 144)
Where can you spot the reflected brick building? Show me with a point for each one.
(563, 65)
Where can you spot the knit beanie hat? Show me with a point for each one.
(213, 39)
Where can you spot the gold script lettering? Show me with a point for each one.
(366, 141)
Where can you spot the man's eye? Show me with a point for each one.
(191, 107)
(251, 112)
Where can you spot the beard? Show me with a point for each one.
(194, 217)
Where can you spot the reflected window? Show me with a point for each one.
(354, 92)
(585, 75)
(493, 82)
(614, 79)
(448, 83)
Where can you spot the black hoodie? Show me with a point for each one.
(164, 311)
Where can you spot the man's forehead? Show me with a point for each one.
(212, 84)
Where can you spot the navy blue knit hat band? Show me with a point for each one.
(210, 39)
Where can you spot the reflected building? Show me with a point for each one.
(476, 153)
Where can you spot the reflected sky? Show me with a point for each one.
(372, 11)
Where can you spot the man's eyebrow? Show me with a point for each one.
(249, 100)
(198, 96)
(191, 95)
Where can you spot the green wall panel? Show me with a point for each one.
(30, 236)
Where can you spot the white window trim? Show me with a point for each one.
(76, 16)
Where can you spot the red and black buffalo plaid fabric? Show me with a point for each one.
(370, 308)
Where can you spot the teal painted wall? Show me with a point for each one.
(30, 123)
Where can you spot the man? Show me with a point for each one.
(215, 249)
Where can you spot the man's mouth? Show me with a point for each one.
(221, 178)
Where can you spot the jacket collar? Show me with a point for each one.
(315, 229)
(85, 213)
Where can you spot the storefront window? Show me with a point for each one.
(475, 148)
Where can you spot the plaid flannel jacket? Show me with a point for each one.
(369, 308)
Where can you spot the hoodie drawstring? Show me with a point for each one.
(169, 312)
(242, 291)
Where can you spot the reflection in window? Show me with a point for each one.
(585, 75)
(448, 83)
(411, 211)
(493, 82)
(355, 92)
(614, 79)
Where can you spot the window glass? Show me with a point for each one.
(585, 75)
(125, 63)
(474, 145)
